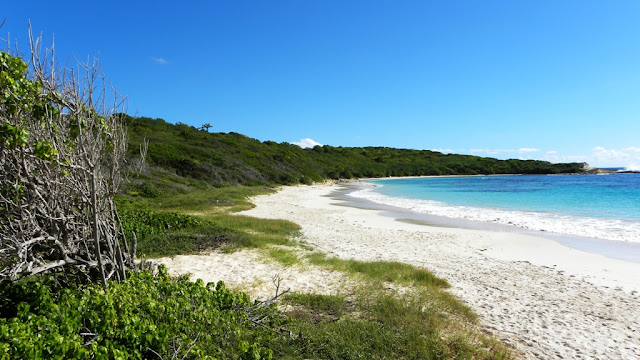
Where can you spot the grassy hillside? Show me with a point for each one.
(233, 158)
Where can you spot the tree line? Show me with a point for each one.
(232, 158)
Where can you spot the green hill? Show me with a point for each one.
(231, 158)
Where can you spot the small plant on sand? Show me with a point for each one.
(285, 257)
(389, 271)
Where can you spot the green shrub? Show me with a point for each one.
(141, 317)
(331, 304)
(146, 223)
(147, 190)
(184, 242)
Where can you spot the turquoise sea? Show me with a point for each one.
(604, 207)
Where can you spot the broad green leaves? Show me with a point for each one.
(129, 319)
(18, 95)
(45, 151)
(12, 136)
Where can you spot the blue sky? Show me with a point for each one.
(552, 80)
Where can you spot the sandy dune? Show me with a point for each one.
(251, 272)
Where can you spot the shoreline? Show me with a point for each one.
(615, 249)
(598, 229)
(544, 298)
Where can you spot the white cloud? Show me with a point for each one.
(528, 150)
(555, 157)
(160, 61)
(600, 156)
(628, 157)
(306, 143)
(444, 151)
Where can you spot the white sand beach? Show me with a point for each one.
(547, 300)
(251, 272)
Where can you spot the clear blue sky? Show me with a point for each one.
(553, 80)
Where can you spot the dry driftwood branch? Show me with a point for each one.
(86, 333)
(258, 313)
(193, 343)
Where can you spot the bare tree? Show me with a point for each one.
(139, 163)
(62, 145)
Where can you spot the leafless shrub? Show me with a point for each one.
(62, 145)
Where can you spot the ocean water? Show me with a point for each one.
(590, 206)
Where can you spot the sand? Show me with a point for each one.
(251, 272)
(545, 299)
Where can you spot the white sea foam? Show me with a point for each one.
(632, 168)
(609, 229)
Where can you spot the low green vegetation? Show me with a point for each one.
(386, 271)
(198, 233)
(155, 316)
(146, 316)
(377, 324)
(285, 257)
(145, 223)
(189, 219)
(161, 190)
(326, 305)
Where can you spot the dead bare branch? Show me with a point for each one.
(58, 180)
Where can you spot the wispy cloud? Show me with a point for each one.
(556, 157)
(306, 143)
(527, 150)
(628, 157)
(490, 151)
(160, 61)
